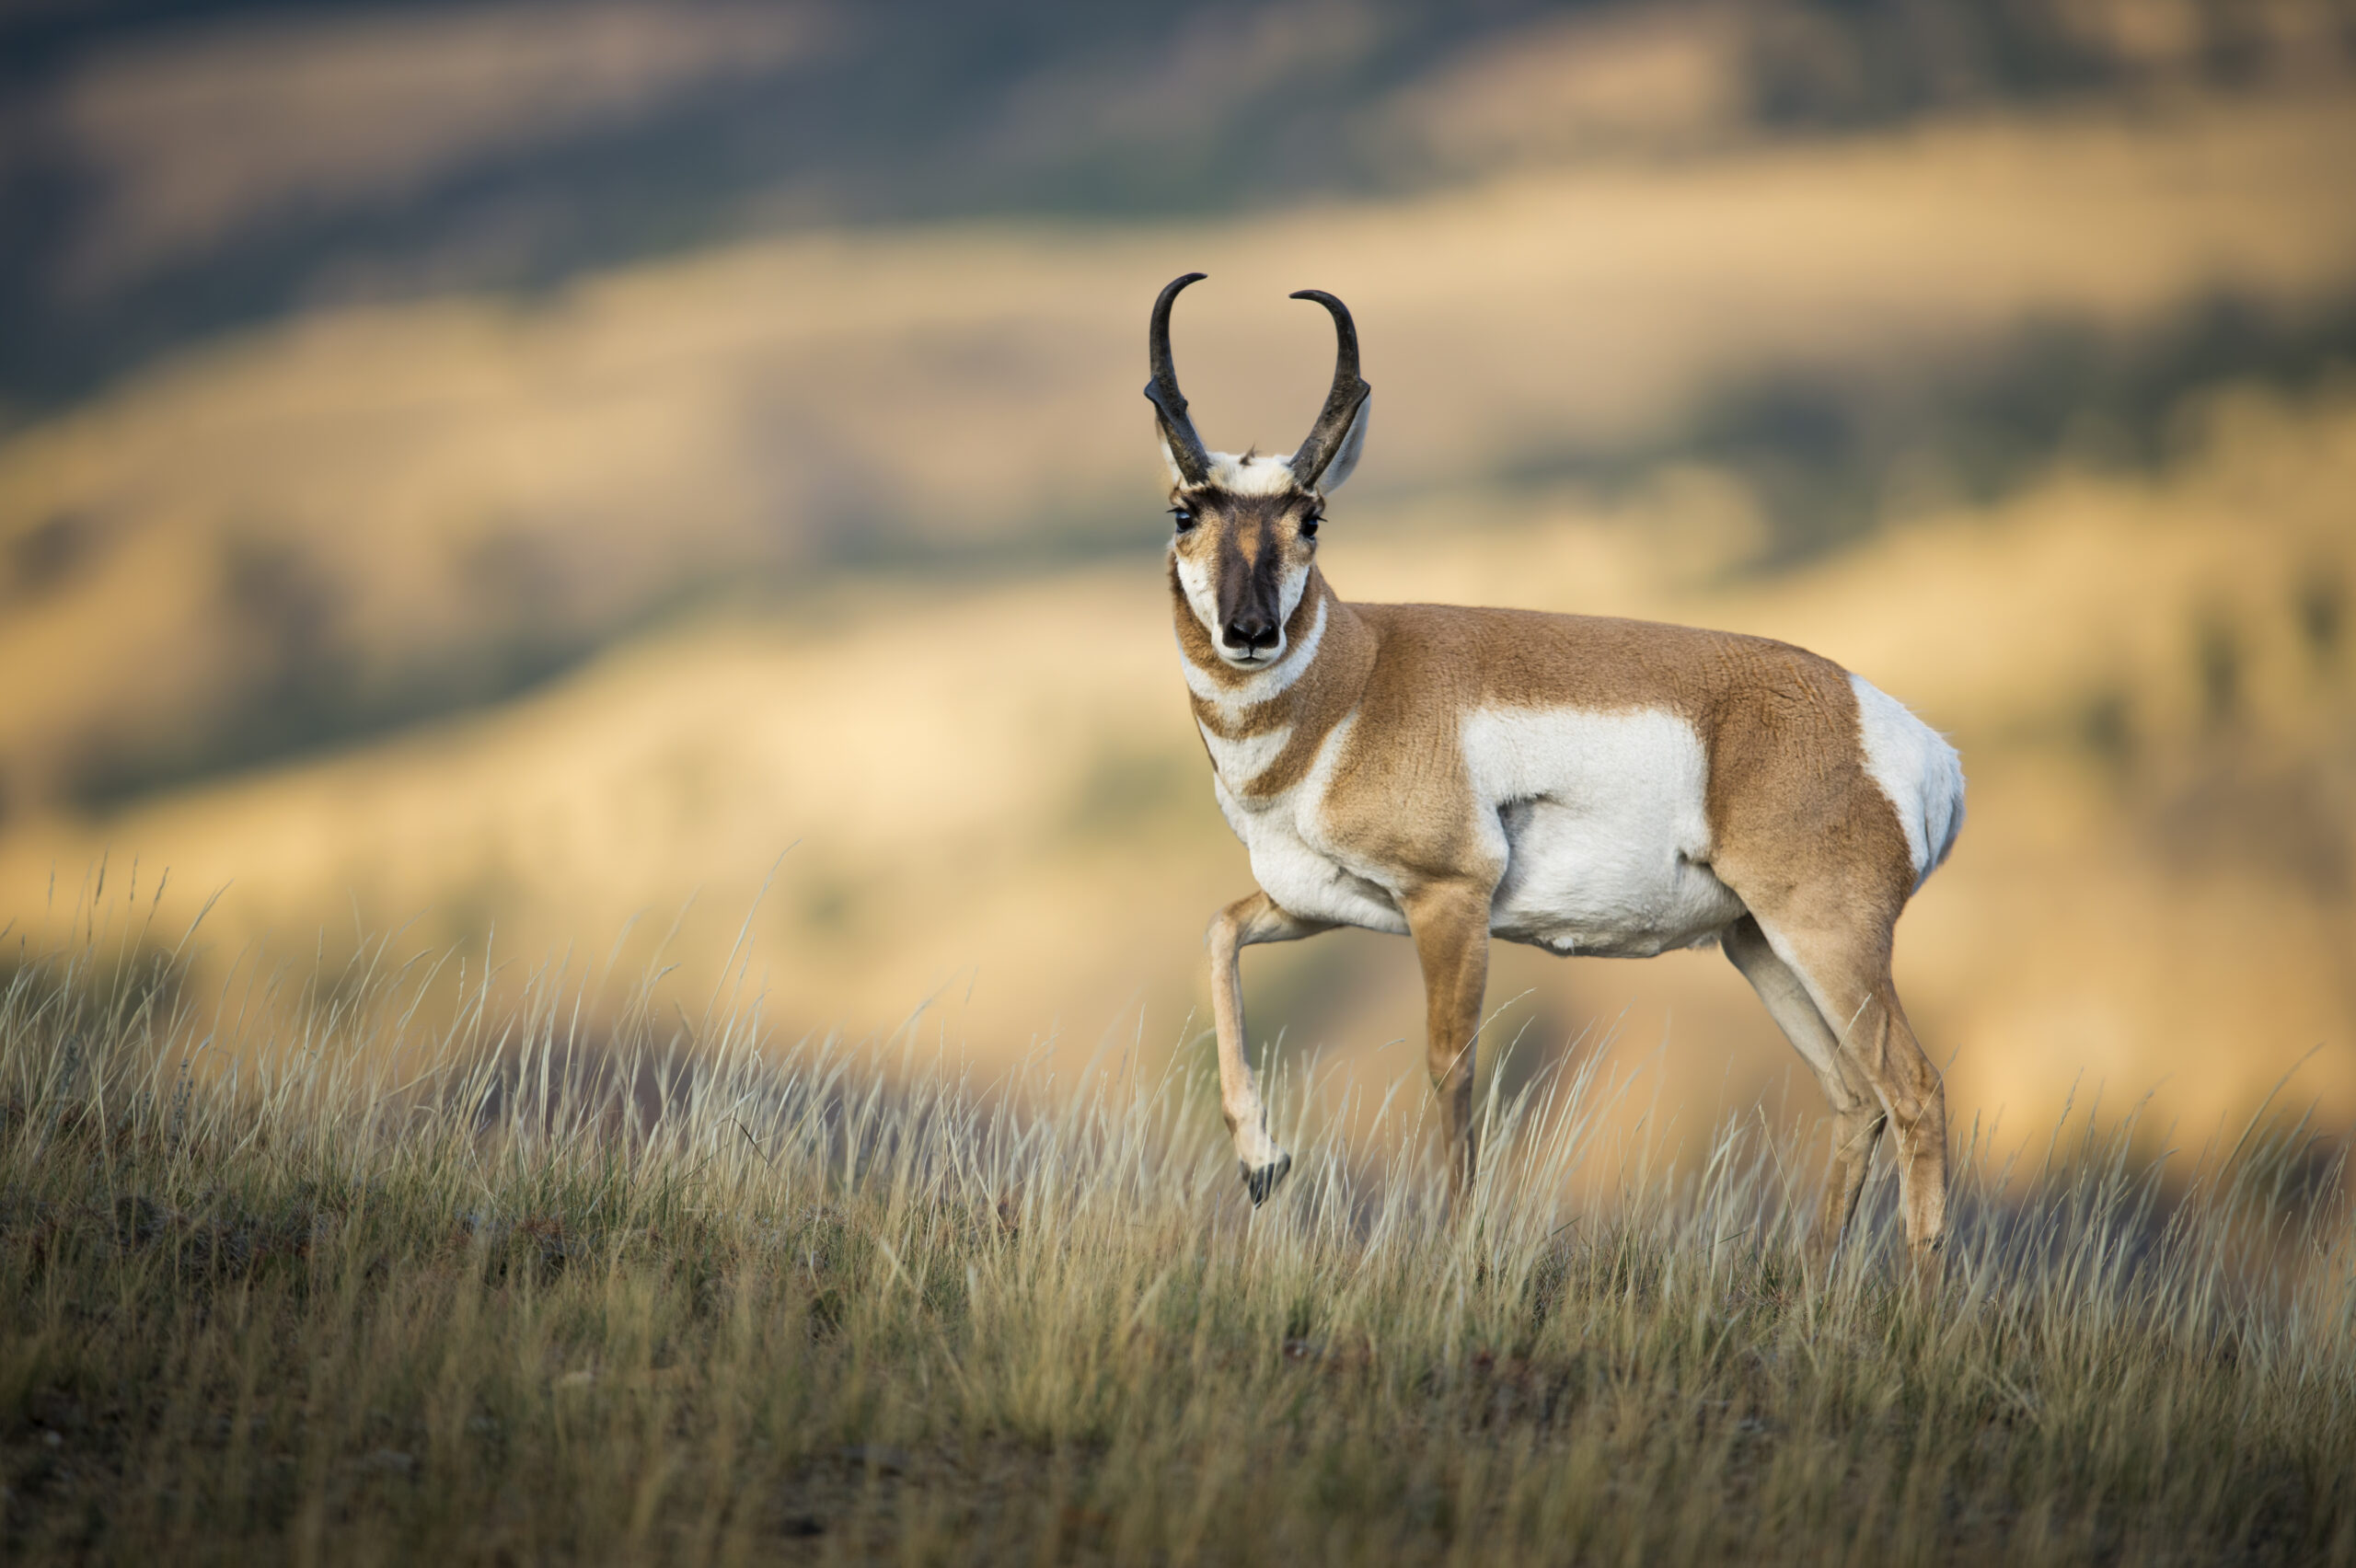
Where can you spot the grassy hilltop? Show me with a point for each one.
(480, 1294)
(511, 466)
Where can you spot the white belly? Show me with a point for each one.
(1601, 820)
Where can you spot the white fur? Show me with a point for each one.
(1247, 757)
(1294, 583)
(1202, 598)
(1202, 594)
(1599, 820)
(1916, 769)
(1271, 680)
(1251, 474)
(1247, 475)
(1309, 875)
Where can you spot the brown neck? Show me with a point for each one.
(1318, 696)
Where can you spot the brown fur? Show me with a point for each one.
(1800, 831)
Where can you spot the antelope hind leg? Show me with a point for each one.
(1857, 1115)
(1235, 927)
(1881, 1043)
(1848, 978)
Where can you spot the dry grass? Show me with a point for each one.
(485, 1293)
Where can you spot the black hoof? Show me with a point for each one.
(1263, 1182)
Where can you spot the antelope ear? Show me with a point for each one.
(1346, 456)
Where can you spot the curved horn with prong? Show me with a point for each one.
(1359, 749)
(1186, 446)
(1341, 404)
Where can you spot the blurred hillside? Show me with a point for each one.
(369, 515)
(169, 170)
(505, 467)
(873, 812)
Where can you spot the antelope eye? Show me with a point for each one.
(1309, 525)
(1185, 518)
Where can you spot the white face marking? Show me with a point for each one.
(1243, 476)
(1274, 675)
(1600, 821)
(1290, 588)
(1201, 596)
(1916, 769)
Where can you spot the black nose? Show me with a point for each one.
(1251, 631)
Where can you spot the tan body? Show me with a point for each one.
(1581, 784)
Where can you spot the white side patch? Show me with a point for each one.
(1601, 820)
(1917, 770)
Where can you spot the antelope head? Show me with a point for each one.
(1245, 540)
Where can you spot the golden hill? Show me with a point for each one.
(2151, 679)
(361, 517)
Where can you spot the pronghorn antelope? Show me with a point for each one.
(1582, 784)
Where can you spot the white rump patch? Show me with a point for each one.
(1917, 770)
(1602, 822)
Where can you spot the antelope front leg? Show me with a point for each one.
(1235, 927)
(1450, 927)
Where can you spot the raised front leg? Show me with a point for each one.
(1235, 927)
(1450, 923)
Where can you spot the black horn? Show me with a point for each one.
(1317, 453)
(1186, 446)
